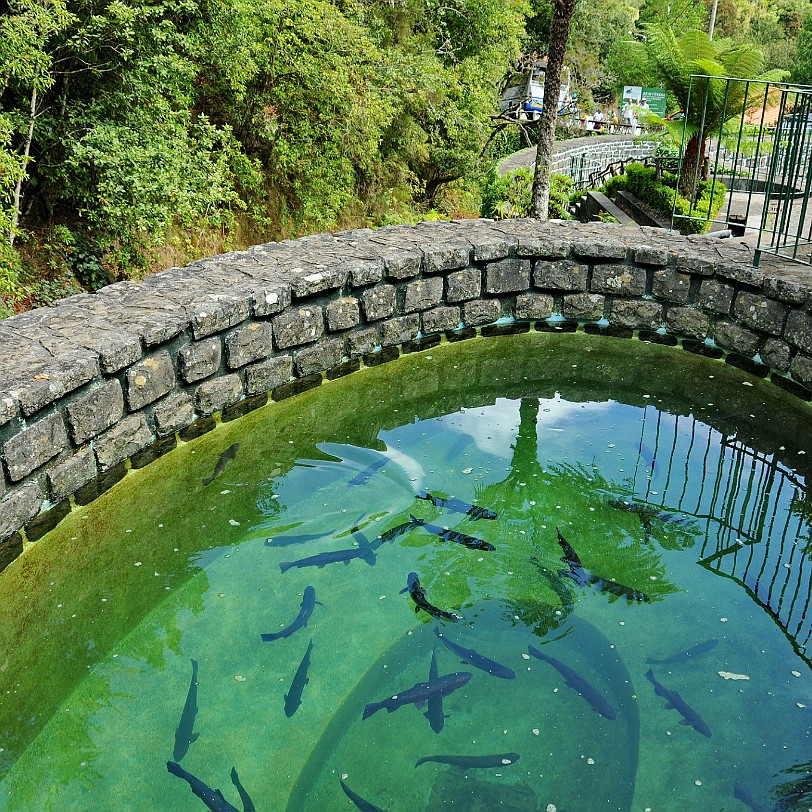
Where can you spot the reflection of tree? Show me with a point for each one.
(801, 506)
(795, 795)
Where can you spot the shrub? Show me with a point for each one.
(511, 194)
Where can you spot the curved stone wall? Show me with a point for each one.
(105, 382)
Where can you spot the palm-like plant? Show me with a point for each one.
(713, 100)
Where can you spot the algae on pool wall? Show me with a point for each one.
(573, 433)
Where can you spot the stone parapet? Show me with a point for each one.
(102, 383)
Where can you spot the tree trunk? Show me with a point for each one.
(559, 33)
(690, 172)
(18, 189)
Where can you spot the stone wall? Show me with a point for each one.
(102, 383)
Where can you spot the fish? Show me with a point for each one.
(458, 506)
(227, 455)
(600, 704)
(213, 798)
(468, 655)
(293, 698)
(368, 472)
(699, 648)
(434, 704)
(185, 735)
(676, 702)
(308, 604)
(584, 577)
(648, 456)
(361, 803)
(397, 530)
(420, 692)
(741, 792)
(646, 513)
(419, 597)
(471, 542)
(288, 541)
(247, 803)
(472, 762)
(367, 553)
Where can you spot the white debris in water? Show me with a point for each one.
(128, 531)
(796, 673)
(137, 564)
(731, 675)
(467, 470)
(802, 452)
(800, 704)
(222, 595)
(532, 503)
(590, 761)
(480, 558)
(621, 623)
(746, 383)
(551, 808)
(239, 678)
(723, 619)
(698, 783)
(223, 493)
(525, 656)
(233, 523)
(381, 597)
(344, 776)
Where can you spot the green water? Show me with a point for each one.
(101, 618)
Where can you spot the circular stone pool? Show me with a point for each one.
(589, 557)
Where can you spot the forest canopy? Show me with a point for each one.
(136, 135)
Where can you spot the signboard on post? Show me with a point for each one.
(651, 98)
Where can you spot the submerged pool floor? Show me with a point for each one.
(589, 557)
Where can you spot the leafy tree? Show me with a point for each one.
(802, 71)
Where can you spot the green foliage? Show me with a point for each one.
(663, 197)
(510, 195)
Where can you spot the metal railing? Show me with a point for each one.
(755, 138)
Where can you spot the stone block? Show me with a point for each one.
(8, 409)
(361, 342)
(403, 328)
(507, 276)
(688, 321)
(117, 353)
(18, 507)
(671, 286)
(543, 247)
(733, 336)
(786, 290)
(649, 255)
(270, 300)
(95, 411)
(798, 330)
(716, 296)
(378, 302)
(244, 407)
(267, 375)
(149, 380)
(761, 313)
(248, 344)
(534, 306)
(343, 313)
(306, 283)
(563, 274)
(103, 482)
(214, 395)
(365, 271)
(489, 248)
(636, 314)
(583, 306)
(463, 285)
(403, 263)
(126, 438)
(68, 476)
(197, 428)
(50, 382)
(217, 312)
(481, 311)
(173, 413)
(296, 387)
(320, 357)
(621, 280)
(423, 294)
(801, 370)
(600, 249)
(744, 274)
(776, 354)
(34, 446)
(199, 359)
(10, 549)
(446, 255)
(300, 325)
(696, 264)
(382, 356)
(152, 452)
(441, 318)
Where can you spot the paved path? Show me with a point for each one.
(527, 157)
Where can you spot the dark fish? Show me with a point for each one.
(213, 798)
(419, 597)
(580, 685)
(676, 702)
(247, 803)
(646, 513)
(434, 704)
(742, 793)
(288, 541)
(583, 577)
(367, 553)
(368, 472)
(699, 648)
(420, 692)
(308, 604)
(293, 698)
(452, 535)
(398, 530)
(556, 583)
(227, 455)
(458, 506)
(468, 655)
(472, 762)
(363, 805)
(185, 735)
